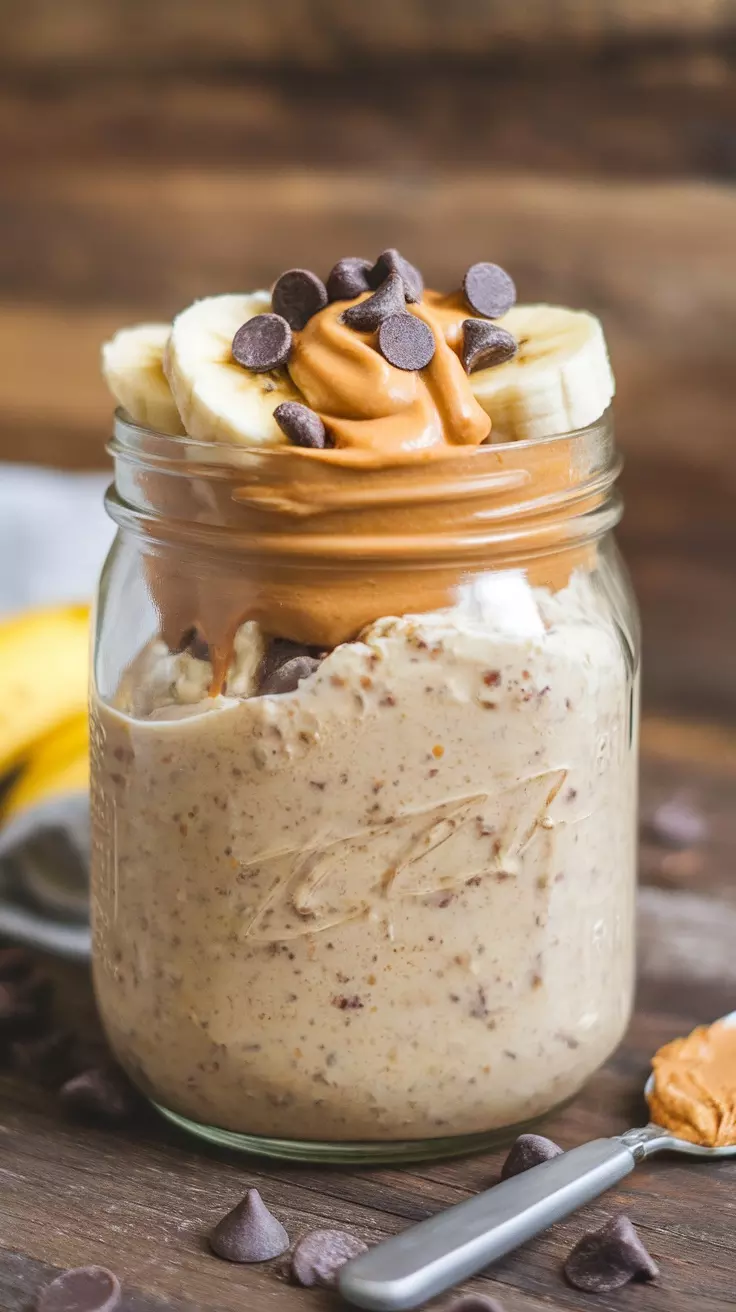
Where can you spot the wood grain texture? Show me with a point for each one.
(143, 1200)
(41, 33)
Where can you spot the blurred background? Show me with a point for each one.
(158, 150)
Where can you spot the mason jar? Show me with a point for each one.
(364, 749)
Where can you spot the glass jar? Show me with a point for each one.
(364, 790)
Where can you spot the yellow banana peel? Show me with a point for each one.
(44, 658)
(58, 765)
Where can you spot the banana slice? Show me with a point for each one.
(219, 400)
(132, 362)
(560, 378)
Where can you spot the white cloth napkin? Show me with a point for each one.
(54, 535)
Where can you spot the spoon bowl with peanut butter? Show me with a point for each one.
(691, 1094)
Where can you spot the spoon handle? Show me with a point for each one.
(428, 1258)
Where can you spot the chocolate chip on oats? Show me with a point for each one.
(489, 290)
(83, 1289)
(677, 823)
(318, 1256)
(485, 344)
(528, 1151)
(297, 295)
(475, 1303)
(405, 341)
(249, 1233)
(368, 315)
(262, 343)
(301, 425)
(391, 261)
(349, 278)
(100, 1094)
(193, 642)
(609, 1258)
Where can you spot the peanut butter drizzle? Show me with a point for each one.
(694, 1093)
(369, 406)
(404, 510)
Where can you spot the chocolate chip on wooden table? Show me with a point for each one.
(297, 295)
(349, 278)
(318, 1256)
(528, 1151)
(405, 341)
(485, 344)
(83, 1289)
(301, 425)
(249, 1233)
(489, 290)
(262, 343)
(100, 1094)
(391, 261)
(366, 316)
(609, 1258)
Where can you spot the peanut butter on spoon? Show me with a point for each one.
(694, 1089)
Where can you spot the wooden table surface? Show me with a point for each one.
(161, 150)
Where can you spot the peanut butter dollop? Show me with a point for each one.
(694, 1092)
(373, 410)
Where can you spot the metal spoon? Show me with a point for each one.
(429, 1258)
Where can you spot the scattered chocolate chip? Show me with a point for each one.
(368, 315)
(485, 344)
(677, 823)
(289, 675)
(193, 642)
(100, 1094)
(318, 1256)
(301, 425)
(84, 1289)
(609, 1258)
(297, 295)
(405, 341)
(262, 343)
(528, 1151)
(475, 1303)
(15, 963)
(489, 290)
(49, 1060)
(249, 1233)
(25, 1005)
(349, 278)
(391, 262)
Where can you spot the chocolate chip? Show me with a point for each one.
(368, 315)
(289, 675)
(475, 1303)
(528, 1151)
(48, 1060)
(489, 290)
(405, 341)
(485, 344)
(676, 823)
(25, 1005)
(609, 1258)
(391, 262)
(193, 642)
(15, 963)
(249, 1233)
(100, 1094)
(318, 1256)
(301, 425)
(349, 278)
(84, 1289)
(262, 343)
(297, 295)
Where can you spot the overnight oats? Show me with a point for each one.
(364, 715)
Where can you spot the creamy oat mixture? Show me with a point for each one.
(393, 903)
